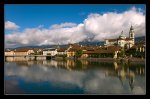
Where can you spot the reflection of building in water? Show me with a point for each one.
(40, 58)
(50, 63)
(10, 59)
(39, 62)
(30, 62)
(140, 70)
(70, 63)
(84, 62)
(126, 74)
(61, 63)
(115, 65)
(19, 58)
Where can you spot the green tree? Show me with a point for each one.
(122, 53)
(78, 53)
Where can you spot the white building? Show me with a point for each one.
(50, 51)
(9, 52)
(122, 41)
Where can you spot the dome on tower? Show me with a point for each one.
(122, 36)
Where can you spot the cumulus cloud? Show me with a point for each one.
(63, 25)
(110, 25)
(96, 26)
(10, 25)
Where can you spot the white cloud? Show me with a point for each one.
(110, 25)
(10, 25)
(63, 25)
(97, 26)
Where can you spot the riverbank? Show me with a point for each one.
(131, 60)
(137, 60)
(126, 60)
(98, 59)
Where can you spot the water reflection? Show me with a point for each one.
(88, 76)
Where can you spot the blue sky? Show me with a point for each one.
(84, 20)
(34, 15)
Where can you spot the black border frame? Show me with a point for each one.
(71, 2)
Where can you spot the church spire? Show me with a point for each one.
(131, 28)
(122, 32)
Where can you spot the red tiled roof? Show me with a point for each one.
(98, 51)
(90, 48)
(72, 50)
(61, 50)
(114, 48)
(134, 47)
(74, 47)
(109, 49)
(137, 46)
(22, 49)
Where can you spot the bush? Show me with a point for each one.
(78, 53)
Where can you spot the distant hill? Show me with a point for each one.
(42, 46)
(98, 43)
(140, 39)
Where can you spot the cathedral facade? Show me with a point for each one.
(122, 40)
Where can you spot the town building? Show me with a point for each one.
(109, 51)
(23, 51)
(9, 52)
(38, 51)
(71, 50)
(140, 48)
(122, 41)
(50, 51)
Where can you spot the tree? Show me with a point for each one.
(78, 53)
(122, 53)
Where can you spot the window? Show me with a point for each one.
(131, 35)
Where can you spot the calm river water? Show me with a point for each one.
(73, 77)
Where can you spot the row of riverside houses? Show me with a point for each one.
(71, 49)
(23, 51)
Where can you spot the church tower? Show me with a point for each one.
(131, 33)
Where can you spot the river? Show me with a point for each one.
(73, 77)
